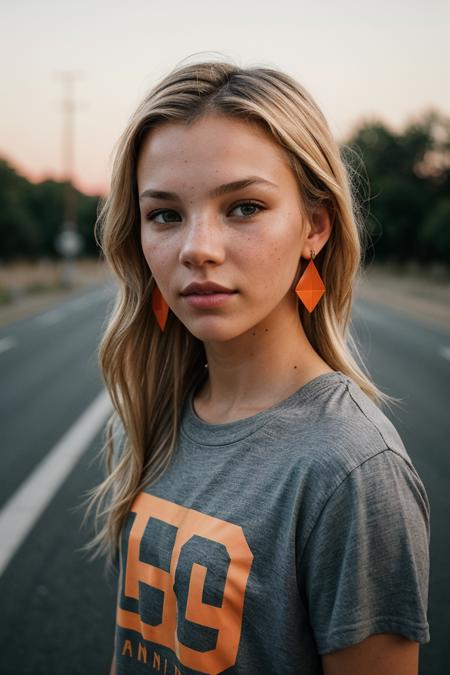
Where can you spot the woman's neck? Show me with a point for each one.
(256, 371)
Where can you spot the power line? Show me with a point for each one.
(68, 241)
(68, 109)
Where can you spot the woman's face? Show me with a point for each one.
(196, 234)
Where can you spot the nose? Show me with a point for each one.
(202, 242)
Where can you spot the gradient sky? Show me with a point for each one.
(359, 59)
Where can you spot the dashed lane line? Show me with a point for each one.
(51, 317)
(7, 343)
(445, 352)
(63, 310)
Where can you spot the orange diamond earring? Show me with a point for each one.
(160, 308)
(310, 287)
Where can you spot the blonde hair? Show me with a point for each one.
(147, 372)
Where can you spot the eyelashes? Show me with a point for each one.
(153, 214)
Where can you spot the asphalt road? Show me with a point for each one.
(57, 608)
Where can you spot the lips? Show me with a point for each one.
(205, 288)
(208, 301)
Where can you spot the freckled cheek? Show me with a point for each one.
(275, 262)
(158, 258)
(260, 271)
(273, 269)
(148, 250)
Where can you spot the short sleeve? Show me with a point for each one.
(365, 566)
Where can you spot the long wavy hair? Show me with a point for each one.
(148, 372)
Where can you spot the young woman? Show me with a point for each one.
(263, 513)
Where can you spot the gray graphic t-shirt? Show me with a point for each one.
(274, 539)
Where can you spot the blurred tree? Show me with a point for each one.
(87, 215)
(47, 203)
(19, 232)
(401, 183)
(31, 215)
(407, 179)
(435, 233)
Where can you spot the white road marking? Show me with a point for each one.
(88, 299)
(7, 343)
(61, 312)
(445, 352)
(51, 317)
(26, 505)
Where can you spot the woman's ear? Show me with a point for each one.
(320, 225)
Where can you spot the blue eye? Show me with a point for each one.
(253, 205)
(152, 216)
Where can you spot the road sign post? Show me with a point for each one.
(68, 243)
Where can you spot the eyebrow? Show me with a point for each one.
(216, 192)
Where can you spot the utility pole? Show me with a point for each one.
(68, 242)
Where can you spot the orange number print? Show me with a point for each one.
(221, 617)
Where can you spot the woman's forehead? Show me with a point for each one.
(212, 144)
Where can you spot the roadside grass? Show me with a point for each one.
(23, 279)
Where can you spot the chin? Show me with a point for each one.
(204, 330)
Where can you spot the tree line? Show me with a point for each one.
(32, 214)
(400, 181)
(402, 188)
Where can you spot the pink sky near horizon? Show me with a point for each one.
(360, 62)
